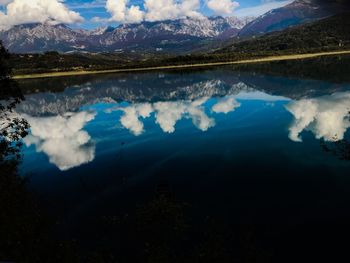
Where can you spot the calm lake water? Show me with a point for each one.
(250, 146)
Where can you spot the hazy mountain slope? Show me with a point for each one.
(328, 33)
(296, 13)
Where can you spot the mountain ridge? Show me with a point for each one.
(156, 36)
(330, 33)
(169, 37)
(293, 14)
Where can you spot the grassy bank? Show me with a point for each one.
(248, 61)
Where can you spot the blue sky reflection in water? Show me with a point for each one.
(223, 140)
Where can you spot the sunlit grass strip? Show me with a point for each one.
(199, 65)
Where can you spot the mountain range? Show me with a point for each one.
(154, 36)
(172, 36)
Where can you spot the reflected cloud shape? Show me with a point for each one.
(167, 114)
(326, 117)
(131, 118)
(226, 105)
(62, 138)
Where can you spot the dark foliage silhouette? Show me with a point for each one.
(23, 229)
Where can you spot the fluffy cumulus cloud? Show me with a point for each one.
(121, 12)
(62, 139)
(157, 10)
(226, 105)
(326, 117)
(200, 119)
(167, 114)
(222, 7)
(131, 118)
(41, 11)
(153, 10)
(124, 11)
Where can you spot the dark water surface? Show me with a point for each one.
(238, 146)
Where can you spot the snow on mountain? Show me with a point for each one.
(31, 38)
(110, 91)
(100, 31)
(42, 37)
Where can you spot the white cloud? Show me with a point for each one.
(62, 139)
(226, 105)
(154, 10)
(132, 114)
(99, 20)
(200, 119)
(122, 13)
(41, 11)
(167, 114)
(157, 10)
(130, 120)
(326, 117)
(261, 9)
(222, 7)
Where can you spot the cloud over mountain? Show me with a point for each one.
(122, 13)
(223, 7)
(16, 12)
(37, 11)
(153, 10)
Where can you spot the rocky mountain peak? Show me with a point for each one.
(30, 38)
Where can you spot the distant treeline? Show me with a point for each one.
(329, 34)
(54, 61)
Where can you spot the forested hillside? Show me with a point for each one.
(329, 33)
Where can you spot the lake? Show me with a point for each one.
(257, 145)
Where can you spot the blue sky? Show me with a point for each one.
(94, 13)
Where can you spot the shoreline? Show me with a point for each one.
(185, 66)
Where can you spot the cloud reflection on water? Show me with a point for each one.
(326, 117)
(67, 145)
(167, 114)
(226, 105)
(62, 139)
